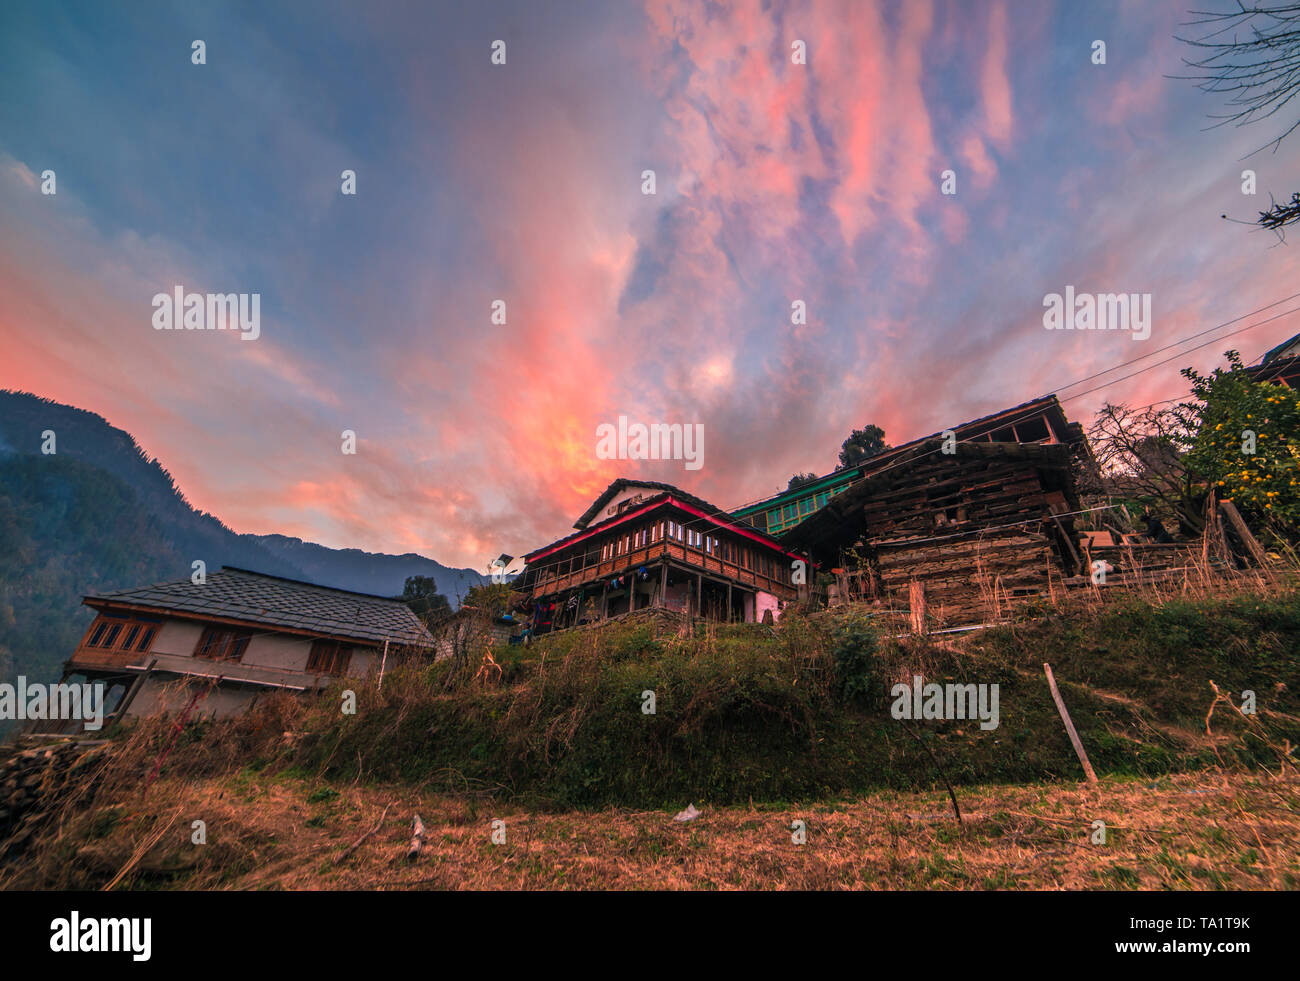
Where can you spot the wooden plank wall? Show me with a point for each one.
(969, 529)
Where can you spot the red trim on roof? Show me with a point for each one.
(655, 502)
(596, 529)
(738, 529)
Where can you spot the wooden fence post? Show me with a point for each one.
(1069, 726)
(916, 600)
(1239, 526)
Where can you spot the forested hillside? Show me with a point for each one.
(101, 514)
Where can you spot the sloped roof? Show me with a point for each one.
(257, 598)
(1288, 348)
(864, 468)
(667, 492)
(824, 523)
(618, 486)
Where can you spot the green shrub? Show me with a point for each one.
(857, 663)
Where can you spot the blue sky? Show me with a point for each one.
(522, 182)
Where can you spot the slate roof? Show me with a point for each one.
(257, 598)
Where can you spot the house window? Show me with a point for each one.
(105, 633)
(223, 643)
(122, 632)
(329, 657)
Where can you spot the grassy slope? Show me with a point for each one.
(751, 726)
(745, 714)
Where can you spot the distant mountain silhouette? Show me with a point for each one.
(366, 572)
(100, 514)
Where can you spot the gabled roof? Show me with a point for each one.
(620, 485)
(984, 424)
(1288, 348)
(670, 495)
(824, 524)
(257, 598)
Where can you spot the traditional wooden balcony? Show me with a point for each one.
(100, 659)
(550, 581)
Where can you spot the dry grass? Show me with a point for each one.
(1209, 830)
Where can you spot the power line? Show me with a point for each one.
(1174, 344)
(1031, 412)
(1260, 323)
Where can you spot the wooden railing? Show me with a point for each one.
(96, 657)
(550, 581)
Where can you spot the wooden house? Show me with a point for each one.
(235, 636)
(645, 544)
(1038, 421)
(984, 522)
(1280, 365)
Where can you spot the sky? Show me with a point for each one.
(775, 183)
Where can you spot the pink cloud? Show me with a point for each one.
(995, 87)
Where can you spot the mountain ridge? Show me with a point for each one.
(100, 514)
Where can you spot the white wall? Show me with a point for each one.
(171, 694)
(611, 509)
(282, 652)
(178, 637)
(763, 603)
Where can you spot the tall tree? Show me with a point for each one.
(862, 444)
(799, 479)
(1248, 443)
(421, 594)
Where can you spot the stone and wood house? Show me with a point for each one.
(234, 637)
(646, 544)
